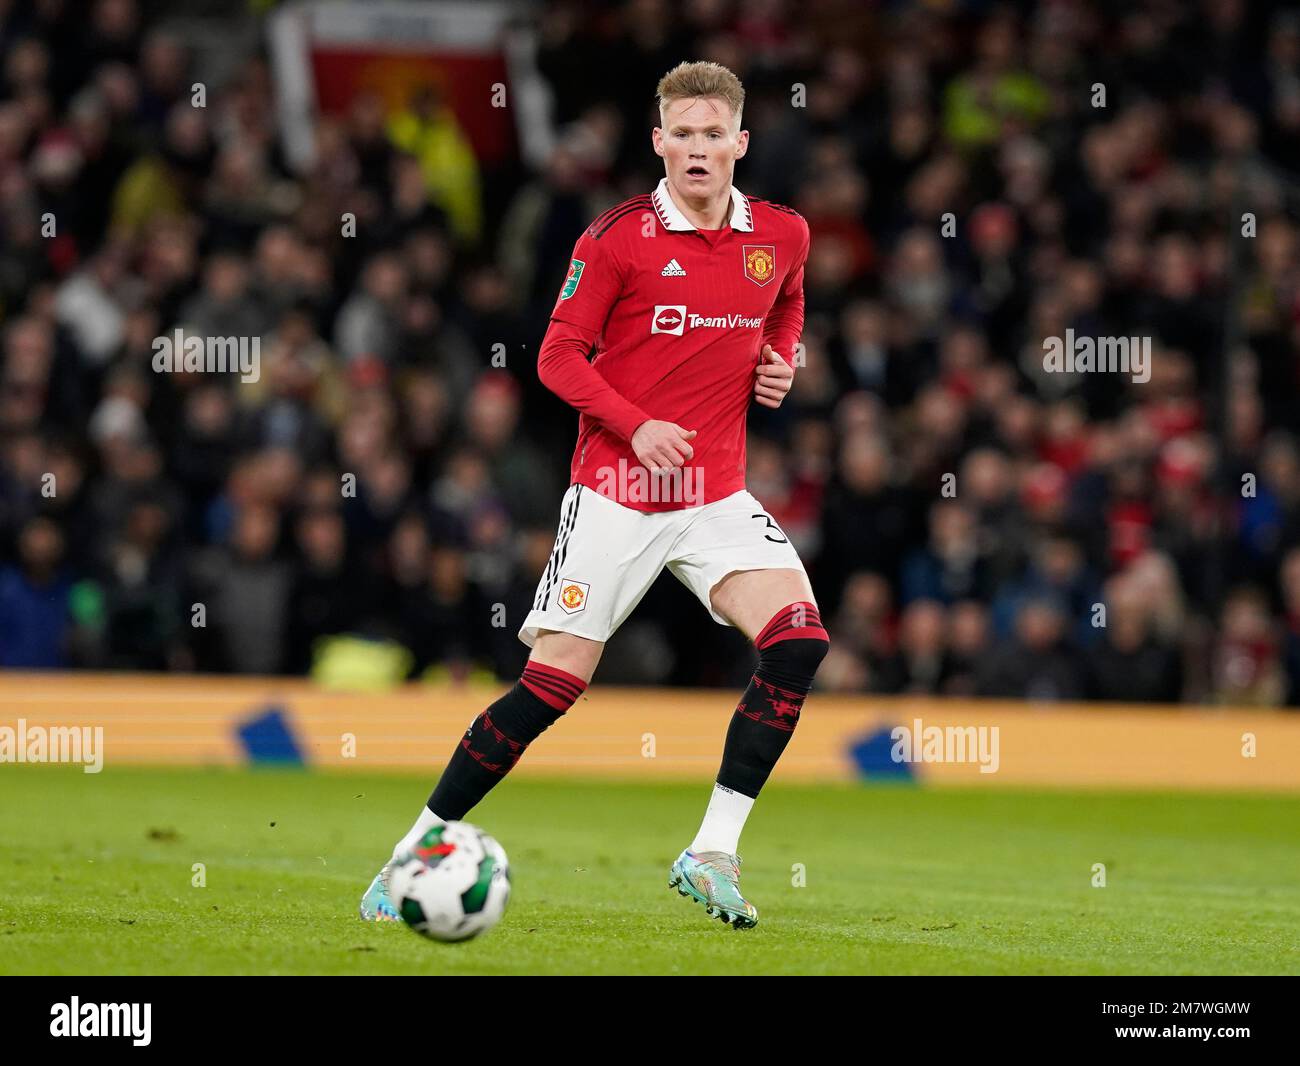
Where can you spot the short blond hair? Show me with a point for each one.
(686, 81)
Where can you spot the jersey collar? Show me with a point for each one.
(671, 217)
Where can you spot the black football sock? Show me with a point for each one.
(497, 738)
(790, 648)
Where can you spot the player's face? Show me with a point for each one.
(700, 145)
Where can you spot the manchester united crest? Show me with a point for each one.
(573, 595)
(760, 262)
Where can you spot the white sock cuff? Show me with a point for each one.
(723, 821)
(423, 824)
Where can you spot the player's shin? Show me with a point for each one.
(790, 647)
(496, 739)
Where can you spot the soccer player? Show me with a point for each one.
(692, 296)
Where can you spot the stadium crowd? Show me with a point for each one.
(975, 181)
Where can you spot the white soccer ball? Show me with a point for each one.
(453, 885)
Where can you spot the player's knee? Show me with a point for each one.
(792, 646)
(568, 652)
(794, 661)
(802, 655)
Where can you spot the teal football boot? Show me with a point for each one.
(713, 878)
(376, 905)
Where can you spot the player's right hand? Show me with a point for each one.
(662, 445)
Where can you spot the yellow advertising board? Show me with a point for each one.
(657, 733)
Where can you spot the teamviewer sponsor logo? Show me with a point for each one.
(723, 322)
(674, 318)
(669, 318)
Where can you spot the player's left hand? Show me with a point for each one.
(774, 378)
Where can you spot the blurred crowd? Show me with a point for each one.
(976, 178)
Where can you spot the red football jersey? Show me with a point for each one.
(679, 318)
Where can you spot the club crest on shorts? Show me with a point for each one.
(760, 262)
(573, 595)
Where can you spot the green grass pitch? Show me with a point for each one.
(96, 870)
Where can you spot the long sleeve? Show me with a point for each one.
(563, 368)
(593, 285)
(784, 325)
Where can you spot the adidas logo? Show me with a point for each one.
(673, 270)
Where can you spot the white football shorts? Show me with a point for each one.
(606, 557)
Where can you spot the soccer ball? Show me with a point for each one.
(453, 885)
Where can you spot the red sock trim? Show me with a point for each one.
(557, 688)
(797, 621)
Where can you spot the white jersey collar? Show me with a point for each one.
(742, 218)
